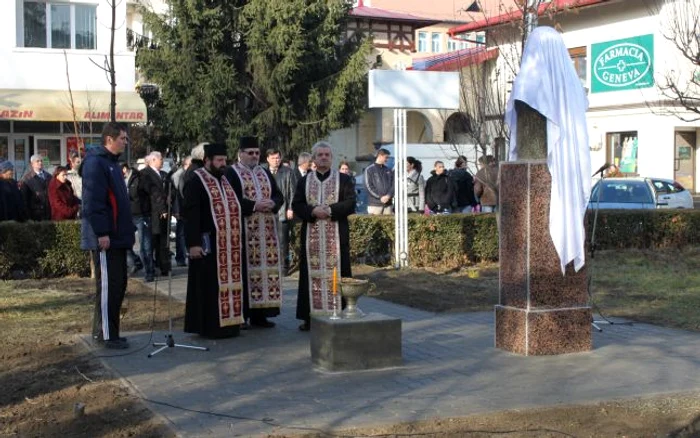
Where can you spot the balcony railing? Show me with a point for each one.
(135, 41)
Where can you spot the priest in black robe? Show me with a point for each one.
(324, 197)
(213, 225)
(260, 201)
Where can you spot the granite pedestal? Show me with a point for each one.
(540, 311)
(373, 341)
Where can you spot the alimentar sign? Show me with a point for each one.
(624, 64)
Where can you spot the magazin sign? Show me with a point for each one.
(623, 64)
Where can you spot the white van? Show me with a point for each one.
(429, 153)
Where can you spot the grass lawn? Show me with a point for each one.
(659, 287)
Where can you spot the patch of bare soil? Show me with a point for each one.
(676, 416)
(49, 384)
(464, 290)
(45, 371)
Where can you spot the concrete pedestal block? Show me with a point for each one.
(540, 311)
(373, 341)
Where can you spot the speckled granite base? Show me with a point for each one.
(540, 310)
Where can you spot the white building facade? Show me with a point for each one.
(44, 45)
(620, 51)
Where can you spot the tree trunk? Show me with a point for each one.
(112, 74)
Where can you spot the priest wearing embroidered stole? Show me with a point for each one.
(213, 227)
(323, 199)
(262, 265)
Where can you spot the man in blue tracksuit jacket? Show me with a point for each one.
(107, 230)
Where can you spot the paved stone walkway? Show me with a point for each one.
(263, 381)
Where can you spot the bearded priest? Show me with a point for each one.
(213, 233)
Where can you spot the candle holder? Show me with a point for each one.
(352, 289)
(335, 315)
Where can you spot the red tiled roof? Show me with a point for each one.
(376, 13)
(456, 60)
(517, 14)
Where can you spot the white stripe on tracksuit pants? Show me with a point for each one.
(111, 278)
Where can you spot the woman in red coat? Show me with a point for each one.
(64, 203)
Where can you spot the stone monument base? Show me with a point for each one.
(373, 341)
(539, 332)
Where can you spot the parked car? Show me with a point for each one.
(361, 193)
(639, 193)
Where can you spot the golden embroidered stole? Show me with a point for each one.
(226, 212)
(263, 250)
(322, 243)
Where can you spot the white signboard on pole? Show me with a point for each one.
(409, 89)
(401, 90)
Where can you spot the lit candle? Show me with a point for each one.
(335, 281)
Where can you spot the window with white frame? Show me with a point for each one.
(422, 41)
(55, 25)
(435, 39)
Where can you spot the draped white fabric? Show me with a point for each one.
(548, 83)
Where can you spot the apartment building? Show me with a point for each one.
(46, 45)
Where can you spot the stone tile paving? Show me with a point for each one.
(263, 381)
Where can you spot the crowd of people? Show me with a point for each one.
(453, 191)
(234, 217)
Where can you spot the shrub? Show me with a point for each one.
(42, 249)
(52, 249)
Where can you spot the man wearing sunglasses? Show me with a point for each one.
(262, 264)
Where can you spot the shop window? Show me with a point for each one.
(578, 57)
(435, 40)
(55, 25)
(422, 42)
(5, 126)
(38, 127)
(622, 148)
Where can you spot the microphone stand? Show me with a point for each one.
(596, 323)
(169, 340)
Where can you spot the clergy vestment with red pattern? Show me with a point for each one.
(212, 213)
(262, 264)
(324, 243)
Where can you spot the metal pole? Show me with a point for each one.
(397, 184)
(403, 256)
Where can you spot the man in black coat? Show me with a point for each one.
(34, 187)
(464, 200)
(286, 183)
(11, 202)
(153, 193)
(439, 191)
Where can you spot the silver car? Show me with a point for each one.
(639, 193)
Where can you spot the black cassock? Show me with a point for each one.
(247, 210)
(202, 308)
(339, 212)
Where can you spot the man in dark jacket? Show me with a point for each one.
(379, 181)
(107, 231)
(11, 201)
(464, 200)
(439, 193)
(286, 183)
(153, 193)
(131, 180)
(34, 187)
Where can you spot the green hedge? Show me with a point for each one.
(52, 249)
(42, 250)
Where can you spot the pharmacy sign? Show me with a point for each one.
(624, 64)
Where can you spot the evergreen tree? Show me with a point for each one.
(307, 79)
(198, 63)
(280, 70)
